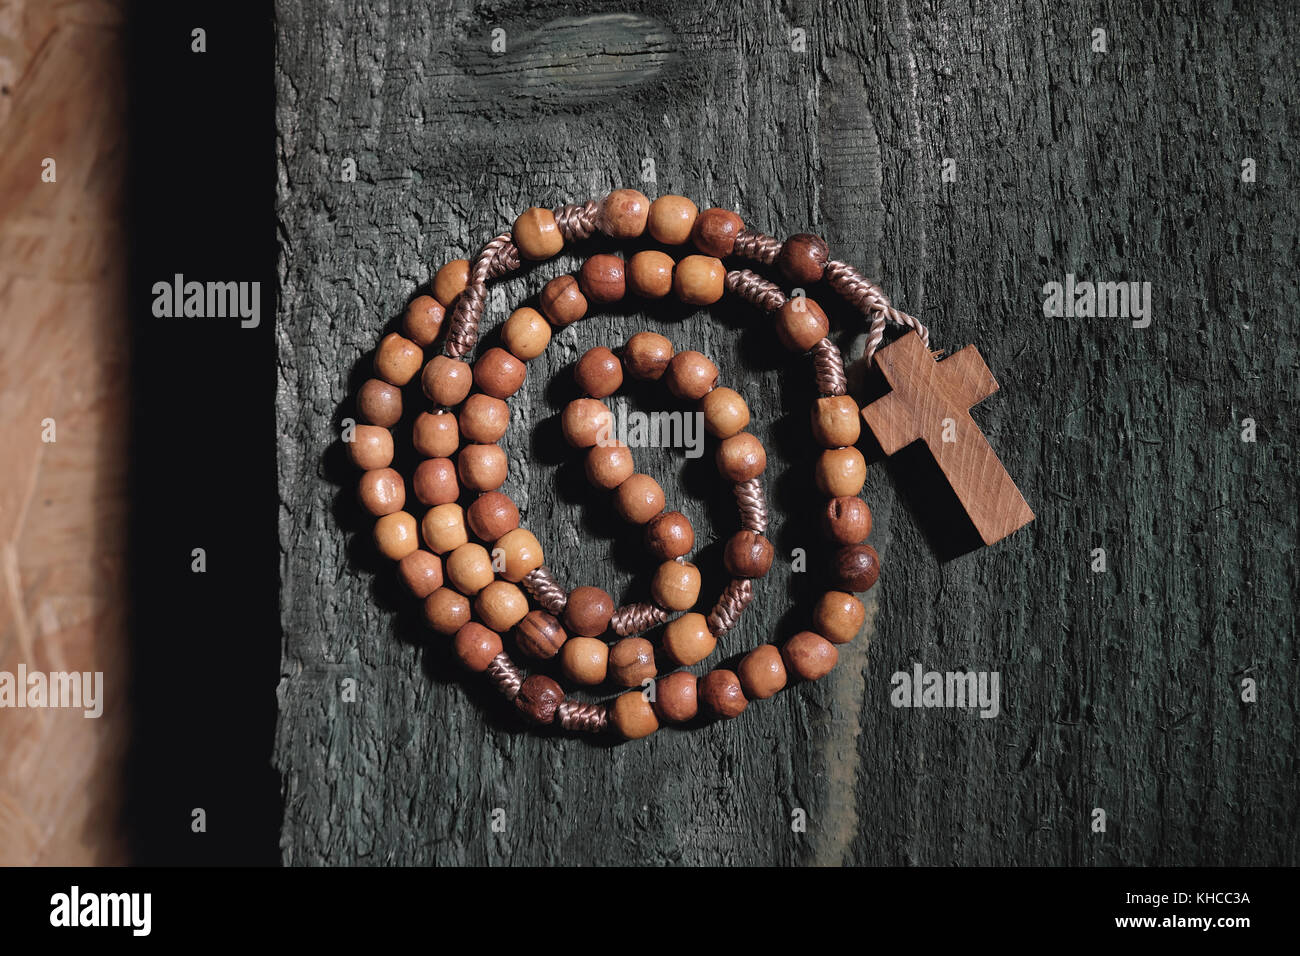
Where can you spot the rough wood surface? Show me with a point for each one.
(1121, 690)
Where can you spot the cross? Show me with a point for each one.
(930, 401)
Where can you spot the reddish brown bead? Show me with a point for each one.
(491, 515)
(721, 694)
(650, 274)
(748, 555)
(803, 258)
(397, 359)
(476, 646)
(669, 536)
(434, 481)
(423, 320)
(371, 447)
(631, 661)
(647, 355)
(638, 499)
(632, 715)
(609, 465)
(446, 611)
(538, 698)
(761, 672)
(839, 616)
(562, 301)
(382, 491)
(482, 467)
(484, 419)
(809, 655)
(847, 520)
(855, 567)
(623, 214)
(603, 278)
(450, 281)
(446, 381)
(836, 421)
(801, 324)
(540, 635)
(499, 374)
(537, 234)
(421, 573)
(588, 611)
(741, 457)
(690, 375)
(675, 698)
(598, 373)
(584, 421)
(715, 232)
(436, 435)
(380, 403)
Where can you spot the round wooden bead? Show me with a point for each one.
(675, 700)
(446, 611)
(395, 535)
(450, 281)
(492, 515)
(585, 660)
(538, 698)
(526, 333)
(809, 656)
(371, 447)
(588, 611)
(380, 403)
(631, 661)
(839, 616)
(609, 465)
(676, 585)
(638, 499)
(421, 573)
(521, 552)
(498, 373)
(646, 356)
(562, 301)
(841, 472)
(847, 520)
(477, 646)
(598, 373)
(446, 381)
(623, 214)
(741, 457)
(584, 421)
(836, 421)
(434, 481)
(855, 567)
(801, 324)
(632, 715)
(539, 635)
(690, 375)
(484, 419)
(482, 467)
(382, 491)
(699, 280)
(423, 320)
(688, 640)
(603, 278)
(650, 274)
(469, 568)
(725, 412)
(761, 672)
(715, 232)
(671, 219)
(721, 694)
(537, 234)
(669, 536)
(803, 258)
(435, 435)
(501, 605)
(443, 528)
(397, 359)
(748, 555)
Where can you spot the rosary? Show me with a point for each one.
(475, 567)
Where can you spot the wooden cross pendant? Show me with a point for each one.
(930, 401)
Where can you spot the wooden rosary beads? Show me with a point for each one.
(461, 452)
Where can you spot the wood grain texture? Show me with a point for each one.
(1121, 690)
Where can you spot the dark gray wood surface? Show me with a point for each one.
(1120, 690)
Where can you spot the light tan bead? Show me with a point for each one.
(623, 214)
(585, 660)
(484, 419)
(841, 472)
(676, 585)
(397, 359)
(638, 499)
(688, 640)
(562, 301)
(608, 466)
(650, 274)
(436, 435)
(501, 605)
(632, 715)
(446, 381)
(691, 375)
(450, 281)
(801, 324)
(761, 672)
(537, 234)
(699, 280)
(631, 661)
(382, 491)
(446, 611)
(585, 421)
(421, 572)
(526, 333)
(646, 356)
(469, 568)
(371, 447)
(725, 412)
(839, 616)
(836, 421)
(671, 219)
(521, 552)
(482, 467)
(443, 528)
(395, 535)
(423, 320)
(741, 457)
